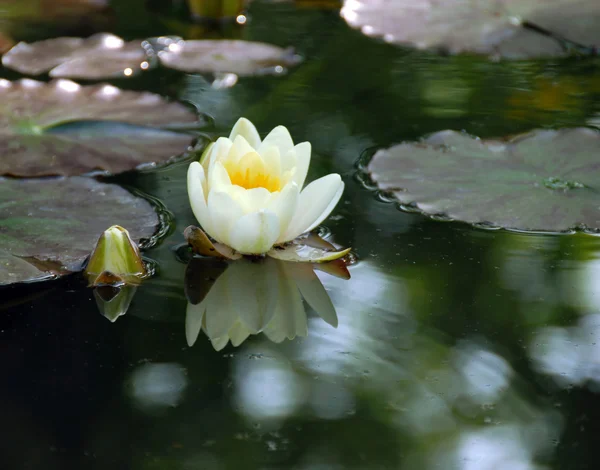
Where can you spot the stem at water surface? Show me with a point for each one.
(216, 9)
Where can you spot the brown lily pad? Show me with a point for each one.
(242, 58)
(510, 28)
(49, 226)
(541, 181)
(128, 128)
(98, 57)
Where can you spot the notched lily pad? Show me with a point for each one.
(486, 26)
(34, 142)
(100, 56)
(541, 181)
(242, 58)
(49, 226)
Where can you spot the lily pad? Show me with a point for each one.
(49, 226)
(99, 56)
(510, 28)
(542, 181)
(33, 143)
(242, 58)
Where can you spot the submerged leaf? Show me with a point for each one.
(542, 181)
(99, 56)
(226, 56)
(33, 144)
(56, 222)
(485, 26)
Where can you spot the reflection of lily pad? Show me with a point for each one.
(487, 26)
(32, 144)
(99, 56)
(49, 226)
(544, 180)
(225, 56)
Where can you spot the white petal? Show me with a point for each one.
(313, 291)
(218, 177)
(303, 151)
(224, 212)
(254, 233)
(252, 290)
(284, 205)
(218, 152)
(247, 130)
(279, 137)
(253, 200)
(239, 148)
(272, 160)
(196, 183)
(193, 321)
(220, 342)
(316, 202)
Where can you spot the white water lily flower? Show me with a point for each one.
(247, 193)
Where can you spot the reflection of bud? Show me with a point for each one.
(251, 297)
(114, 301)
(116, 260)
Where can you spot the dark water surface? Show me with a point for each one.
(456, 348)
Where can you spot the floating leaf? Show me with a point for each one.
(50, 226)
(306, 254)
(32, 144)
(511, 28)
(544, 180)
(225, 56)
(99, 56)
(204, 246)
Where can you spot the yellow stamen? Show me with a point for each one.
(250, 172)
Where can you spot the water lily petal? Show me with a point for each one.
(218, 152)
(196, 182)
(219, 343)
(218, 177)
(279, 137)
(254, 233)
(313, 291)
(272, 160)
(303, 151)
(224, 212)
(316, 202)
(247, 130)
(193, 321)
(239, 148)
(285, 204)
(255, 199)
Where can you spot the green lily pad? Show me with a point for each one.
(33, 141)
(99, 56)
(486, 26)
(542, 181)
(49, 226)
(242, 58)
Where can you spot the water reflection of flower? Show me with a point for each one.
(246, 297)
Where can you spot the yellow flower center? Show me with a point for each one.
(250, 172)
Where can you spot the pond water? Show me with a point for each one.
(456, 347)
